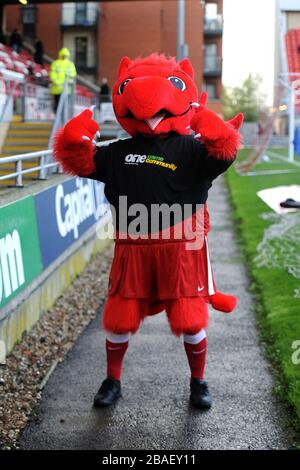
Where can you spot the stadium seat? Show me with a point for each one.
(292, 41)
(21, 62)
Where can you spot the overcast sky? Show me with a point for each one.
(248, 42)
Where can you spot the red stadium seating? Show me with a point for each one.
(292, 40)
(11, 60)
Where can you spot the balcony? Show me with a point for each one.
(79, 16)
(212, 66)
(213, 26)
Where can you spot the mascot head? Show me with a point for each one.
(155, 95)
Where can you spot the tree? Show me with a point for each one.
(246, 98)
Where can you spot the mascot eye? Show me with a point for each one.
(123, 85)
(177, 82)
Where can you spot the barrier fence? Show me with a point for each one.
(36, 230)
(42, 166)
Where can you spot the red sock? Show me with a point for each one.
(196, 354)
(115, 353)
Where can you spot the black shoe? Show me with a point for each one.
(108, 393)
(200, 396)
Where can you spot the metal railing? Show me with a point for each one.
(212, 64)
(72, 15)
(65, 109)
(42, 167)
(213, 25)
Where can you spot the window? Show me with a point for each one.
(211, 90)
(81, 45)
(29, 19)
(211, 61)
(211, 11)
(213, 20)
(29, 14)
(211, 50)
(81, 13)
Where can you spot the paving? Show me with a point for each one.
(154, 412)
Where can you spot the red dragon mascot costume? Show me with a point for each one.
(156, 101)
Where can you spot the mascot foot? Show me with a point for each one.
(200, 396)
(108, 393)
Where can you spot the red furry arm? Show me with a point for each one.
(77, 160)
(73, 145)
(222, 140)
(225, 147)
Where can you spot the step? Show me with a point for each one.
(30, 126)
(10, 169)
(12, 182)
(17, 118)
(7, 183)
(32, 123)
(11, 166)
(8, 150)
(17, 141)
(28, 133)
(6, 169)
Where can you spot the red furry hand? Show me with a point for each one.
(221, 138)
(74, 144)
(81, 130)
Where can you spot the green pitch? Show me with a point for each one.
(274, 284)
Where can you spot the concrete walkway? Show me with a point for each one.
(154, 412)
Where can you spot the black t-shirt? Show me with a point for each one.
(155, 171)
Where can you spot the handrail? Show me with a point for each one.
(61, 113)
(20, 171)
(24, 156)
(44, 164)
(27, 171)
(88, 84)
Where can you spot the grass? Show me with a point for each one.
(278, 311)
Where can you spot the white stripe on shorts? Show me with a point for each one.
(211, 290)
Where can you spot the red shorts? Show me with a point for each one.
(147, 277)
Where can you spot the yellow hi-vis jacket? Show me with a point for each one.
(61, 70)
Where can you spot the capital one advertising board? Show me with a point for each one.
(65, 212)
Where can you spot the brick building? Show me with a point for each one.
(100, 33)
